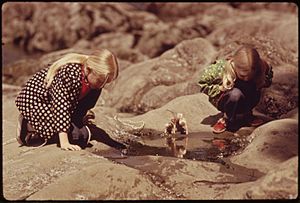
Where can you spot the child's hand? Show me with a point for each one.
(69, 146)
(221, 88)
(65, 144)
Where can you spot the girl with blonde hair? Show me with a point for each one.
(234, 86)
(54, 102)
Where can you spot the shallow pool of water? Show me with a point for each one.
(197, 146)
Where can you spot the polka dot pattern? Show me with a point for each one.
(49, 110)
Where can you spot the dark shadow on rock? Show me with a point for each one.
(139, 149)
(97, 133)
(243, 122)
(236, 126)
(244, 174)
(212, 119)
(100, 135)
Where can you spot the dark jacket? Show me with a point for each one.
(85, 104)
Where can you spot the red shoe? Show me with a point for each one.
(220, 126)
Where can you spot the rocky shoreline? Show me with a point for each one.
(161, 52)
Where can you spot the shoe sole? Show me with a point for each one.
(218, 132)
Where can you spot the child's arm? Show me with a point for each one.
(64, 94)
(211, 79)
(65, 144)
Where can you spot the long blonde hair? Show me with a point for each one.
(245, 56)
(101, 63)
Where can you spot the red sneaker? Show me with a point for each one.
(220, 126)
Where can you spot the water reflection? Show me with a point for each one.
(178, 147)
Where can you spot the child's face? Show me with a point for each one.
(243, 73)
(95, 81)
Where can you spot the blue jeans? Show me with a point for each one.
(235, 102)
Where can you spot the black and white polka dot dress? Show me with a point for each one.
(49, 110)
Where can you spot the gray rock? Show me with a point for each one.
(269, 145)
(280, 183)
(159, 72)
(176, 66)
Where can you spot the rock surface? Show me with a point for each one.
(269, 157)
(162, 52)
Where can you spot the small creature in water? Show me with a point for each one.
(177, 124)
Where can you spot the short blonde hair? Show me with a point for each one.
(101, 62)
(245, 56)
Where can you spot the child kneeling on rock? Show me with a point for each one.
(234, 86)
(55, 101)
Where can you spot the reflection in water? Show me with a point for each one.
(176, 137)
(176, 124)
(213, 153)
(175, 141)
(177, 150)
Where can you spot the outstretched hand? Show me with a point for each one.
(65, 144)
(71, 147)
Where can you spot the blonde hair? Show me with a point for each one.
(101, 63)
(245, 56)
(229, 76)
